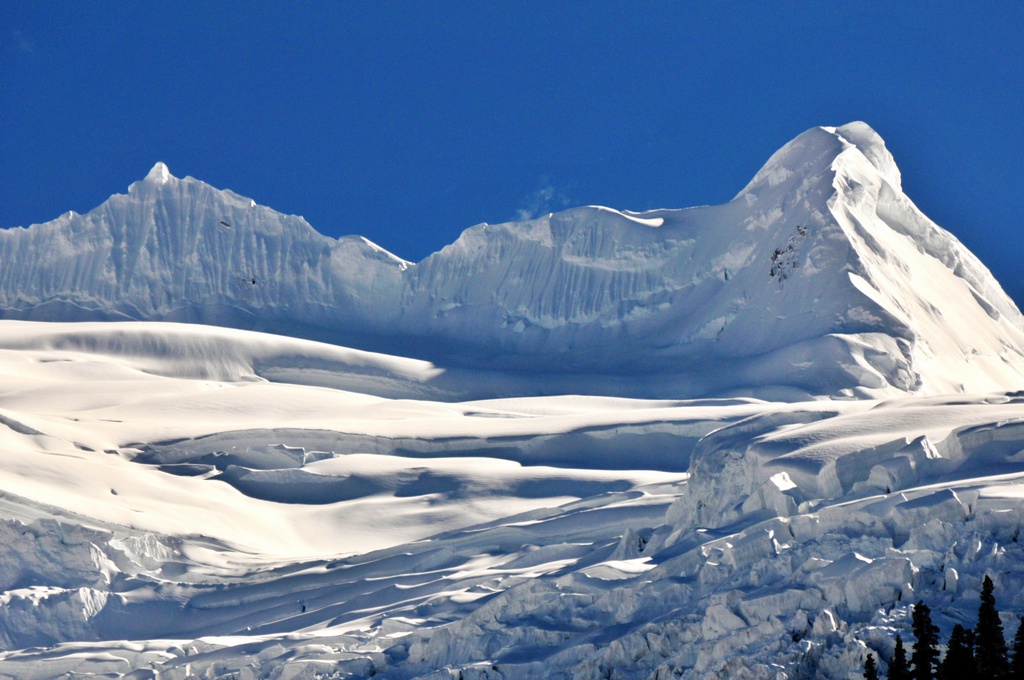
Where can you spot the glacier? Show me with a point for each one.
(735, 441)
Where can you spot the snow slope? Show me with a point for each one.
(169, 509)
(821, 278)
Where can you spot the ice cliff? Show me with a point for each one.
(821, 277)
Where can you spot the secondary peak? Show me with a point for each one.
(159, 174)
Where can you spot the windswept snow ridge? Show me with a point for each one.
(821, 278)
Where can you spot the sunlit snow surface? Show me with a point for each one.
(184, 500)
(168, 506)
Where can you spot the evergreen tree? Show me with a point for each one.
(1017, 666)
(870, 671)
(898, 666)
(989, 643)
(926, 651)
(959, 661)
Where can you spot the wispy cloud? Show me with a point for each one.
(548, 198)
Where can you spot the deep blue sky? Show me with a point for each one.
(407, 122)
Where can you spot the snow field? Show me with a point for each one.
(164, 520)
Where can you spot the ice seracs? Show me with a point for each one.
(197, 501)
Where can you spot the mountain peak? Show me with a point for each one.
(816, 152)
(159, 174)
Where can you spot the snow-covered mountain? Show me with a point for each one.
(820, 278)
(181, 500)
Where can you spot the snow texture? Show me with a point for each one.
(844, 436)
